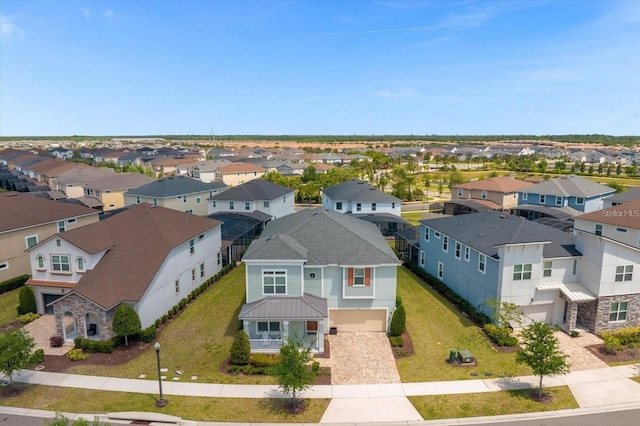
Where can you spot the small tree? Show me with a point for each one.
(126, 322)
(506, 313)
(240, 349)
(27, 301)
(294, 373)
(15, 351)
(541, 352)
(398, 321)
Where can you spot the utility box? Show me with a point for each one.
(452, 356)
(465, 357)
(333, 330)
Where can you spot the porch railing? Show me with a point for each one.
(266, 345)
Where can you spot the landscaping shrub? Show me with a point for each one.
(95, 346)
(248, 369)
(396, 341)
(27, 318)
(13, 283)
(625, 335)
(315, 367)
(56, 341)
(77, 355)
(264, 360)
(575, 333)
(612, 344)
(501, 336)
(240, 349)
(158, 323)
(126, 322)
(27, 301)
(148, 334)
(398, 321)
(398, 300)
(37, 357)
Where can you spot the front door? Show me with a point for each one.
(47, 299)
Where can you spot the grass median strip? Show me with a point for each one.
(84, 401)
(490, 403)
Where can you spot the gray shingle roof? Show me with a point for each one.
(322, 237)
(175, 185)
(254, 190)
(631, 194)
(357, 190)
(275, 307)
(569, 185)
(488, 230)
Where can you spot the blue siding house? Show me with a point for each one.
(571, 191)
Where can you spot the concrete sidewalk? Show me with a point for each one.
(595, 388)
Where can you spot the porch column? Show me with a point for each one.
(245, 327)
(285, 332)
(572, 315)
(320, 335)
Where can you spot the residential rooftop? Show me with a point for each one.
(172, 186)
(254, 190)
(356, 190)
(570, 185)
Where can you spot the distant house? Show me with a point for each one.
(26, 220)
(631, 194)
(110, 190)
(238, 173)
(176, 192)
(304, 278)
(496, 193)
(73, 182)
(148, 257)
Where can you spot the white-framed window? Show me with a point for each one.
(58, 243)
(426, 233)
(618, 311)
(445, 244)
(458, 250)
(359, 207)
(71, 221)
(619, 229)
(274, 282)
(247, 205)
(436, 234)
(137, 199)
(575, 266)
(80, 264)
(483, 195)
(231, 205)
(467, 253)
(421, 258)
(219, 258)
(482, 263)
(193, 275)
(522, 271)
(192, 246)
(4, 265)
(541, 198)
(358, 276)
(525, 195)
(558, 200)
(339, 205)
(198, 200)
(213, 204)
(624, 273)
(189, 211)
(202, 270)
(580, 201)
(184, 199)
(373, 207)
(265, 204)
(598, 229)
(460, 192)
(155, 201)
(31, 241)
(440, 270)
(547, 266)
(177, 286)
(268, 326)
(40, 262)
(60, 263)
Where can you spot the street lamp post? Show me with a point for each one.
(160, 402)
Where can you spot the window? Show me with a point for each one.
(137, 200)
(219, 258)
(213, 204)
(522, 272)
(70, 221)
(525, 195)
(184, 198)
(373, 207)
(541, 198)
(458, 250)
(460, 192)
(621, 229)
(265, 204)
(558, 201)
(177, 284)
(467, 253)
(426, 234)
(58, 243)
(618, 311)
(192, 248)
(598, 230)
(483, 195)
(193, 275)
(60, 263)
(198, 200)
(230, 205)
(155, 201)
(624, 273)
(358, 207)
(575, 266)
(4, 265)
(247, 205)
(269, 327)
(440, 270)
(80, 263)
(189, 211)
(339, 205)
(31, 241)
(40, 261)
(482, 263)
(580, 201)
(445, 244)
(202, 270)
(421, 258)
(393, 205)
(546, 268)
(436, 234)
(274, 282)
(358, 276)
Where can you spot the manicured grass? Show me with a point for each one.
(413, 217)
(436, 328)
(8, 305)
(189, 408)
(636, 379)
(490, 403)
(197, 341)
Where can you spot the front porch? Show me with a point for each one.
(272, 344)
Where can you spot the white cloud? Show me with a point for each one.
(8, 28)
(86, 13)
(109, 15)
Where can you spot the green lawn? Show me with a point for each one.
(243, 410)
(413, 217)
(436, 328)
(490, 403)
(8, 305)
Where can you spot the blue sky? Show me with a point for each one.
(319, 67)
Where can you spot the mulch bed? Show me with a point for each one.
(9, 327)
(626, 355)
(505, 349)
(407, 347)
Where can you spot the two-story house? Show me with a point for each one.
(313, 272)
(609, 241)
(496, 256)
(72, 182)
(176, 192)
(148, 256)
(26, 220)
(631, 194)
(110, 190)
(497, 193)
(238, 173)
(366, 202)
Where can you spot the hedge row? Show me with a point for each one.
(476, 316)
(13, 283)
(625, 335)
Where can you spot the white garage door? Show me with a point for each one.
(346, 320)
(538, 313)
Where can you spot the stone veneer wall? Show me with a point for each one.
(79, 308)
(587, 314)
(601, 317)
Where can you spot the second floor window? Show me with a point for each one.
(358, 276)
(624, 273)
(60, 263)
(265, 204)
(358, 207)
(482, 262)
(598, 229)
(247, 205)
(373, 207)
(231, 205)
(192, 248)
(445, 244)
(61, 226)
(522, 272)
(274, 282)
(546, 268)
(339, 205)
